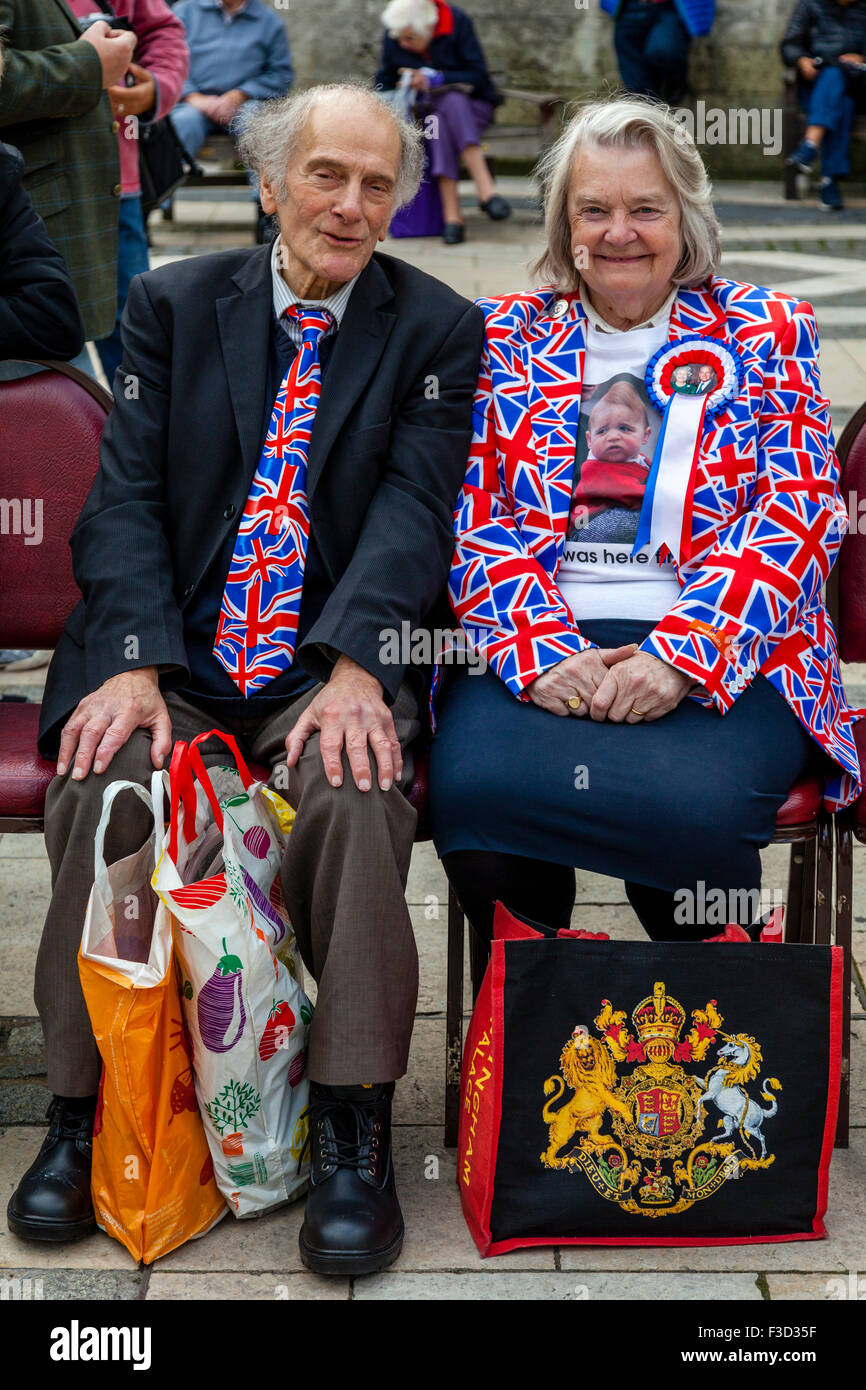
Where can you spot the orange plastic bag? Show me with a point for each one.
(153, 1182)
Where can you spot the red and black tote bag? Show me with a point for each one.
(631, 1093)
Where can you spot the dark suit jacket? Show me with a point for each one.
(53, 109)
(39, 315)
(181, 446)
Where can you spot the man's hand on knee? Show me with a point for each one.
(103, 722)
(350, 710)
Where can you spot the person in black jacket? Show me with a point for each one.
(212, 343)
(432, 50)
(826, 42)
(39, 313)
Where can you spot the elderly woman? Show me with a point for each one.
(434, 48)
(655, 685)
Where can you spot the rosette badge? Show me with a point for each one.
(686, 380)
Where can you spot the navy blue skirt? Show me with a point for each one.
(692, 796)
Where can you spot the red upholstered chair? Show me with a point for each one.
(51, 424)
(846, 599)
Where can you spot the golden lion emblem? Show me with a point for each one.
(589, 1071)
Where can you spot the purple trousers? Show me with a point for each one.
(456, 120)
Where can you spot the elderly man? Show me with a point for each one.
(220, 351)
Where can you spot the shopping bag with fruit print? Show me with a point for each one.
(153, 1177)
(244, 1004)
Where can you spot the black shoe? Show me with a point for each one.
(454, 233)
(497, 208)
(52, 1200)
(353, 1223)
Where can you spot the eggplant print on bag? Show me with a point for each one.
(221, 1012)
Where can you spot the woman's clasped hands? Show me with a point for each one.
(622, 684)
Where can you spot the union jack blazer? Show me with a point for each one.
(768, 517)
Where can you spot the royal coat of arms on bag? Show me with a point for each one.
(648, 1133)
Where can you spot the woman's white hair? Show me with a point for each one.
(270, 137)
(418, 15)
(629, 122)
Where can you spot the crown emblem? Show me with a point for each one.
(658, 1021)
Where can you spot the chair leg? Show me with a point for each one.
(824, 883)
(844, 912)
(797, 873)
(453, 1019)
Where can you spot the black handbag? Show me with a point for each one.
(163, 163)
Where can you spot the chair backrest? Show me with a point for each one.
(50, 429)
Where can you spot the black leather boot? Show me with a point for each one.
(353, 1223)
(52, 1200)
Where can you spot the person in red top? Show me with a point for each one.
(434, 48)
(152, 86)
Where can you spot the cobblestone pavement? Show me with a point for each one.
(789, 246)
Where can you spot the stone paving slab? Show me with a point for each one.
(70, 1284)
(590, 1288)
(238, 1284)
(818, 1286)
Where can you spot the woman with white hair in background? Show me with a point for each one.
(658, 677)
(434, 48)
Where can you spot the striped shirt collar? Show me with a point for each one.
(284, 297)
(661, 316)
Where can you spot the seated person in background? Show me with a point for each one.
(692, 680)
(437, 44)
(615, 472)
(826, 41)
(238, 57)
(258, 555)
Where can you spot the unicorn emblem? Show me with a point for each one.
(739, 1063)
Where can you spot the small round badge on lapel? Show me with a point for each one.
(695, 366)
(559, 308)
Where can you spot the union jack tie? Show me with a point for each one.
(258, 624)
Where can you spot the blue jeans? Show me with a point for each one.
(830, 101)
(193, 128)
(652, 49)
(132, 259)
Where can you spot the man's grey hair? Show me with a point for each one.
(270, 137)
(629, 122)
(420, 16)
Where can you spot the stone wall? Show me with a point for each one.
(564, 46)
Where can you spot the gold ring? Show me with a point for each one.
(638, 712)
(575, 702)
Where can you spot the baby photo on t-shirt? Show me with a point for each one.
(616, 440)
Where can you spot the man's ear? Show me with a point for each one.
(266, 196)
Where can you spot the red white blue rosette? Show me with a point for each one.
(666, 513)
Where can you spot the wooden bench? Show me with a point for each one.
(229, 171)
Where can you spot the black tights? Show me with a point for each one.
(545, 893)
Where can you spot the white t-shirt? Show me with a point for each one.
(597, 575)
